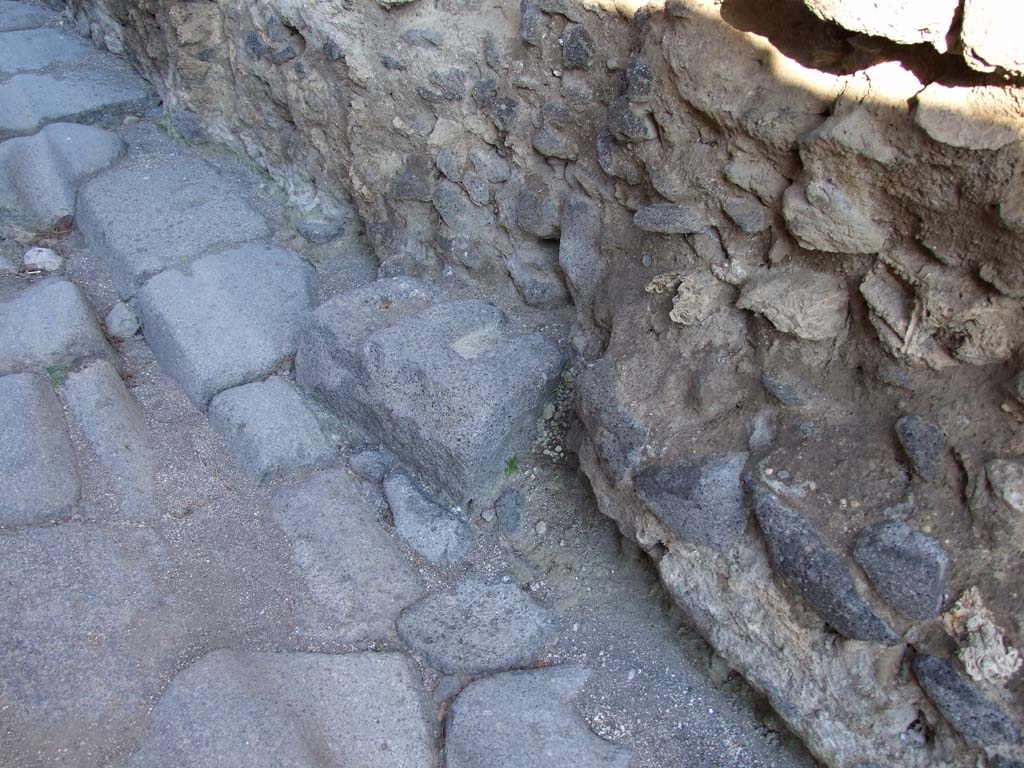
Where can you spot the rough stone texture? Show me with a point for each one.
(233, 318)
(904, 187)
(30, 101)
(669, 219)
(181, 209)
(121, 321)
(44, 170)
(988, 38)
(48, 325)
(452, 387)
(904, 21)
(41, 260)
(479, 628)
(268, 428)
(354, 572)
(951, 116)
(238, 708)
(526, 720)
(91, 630)
(977, 719)
(429, 528)
(112, 423)
(822, 217)
(924, 443)
(907, 568)
(701, 501)
(815, 571)
(18, 15)
(35, 49)
(509, 509)
(39, 481)
(578, 47)
(370, 465)
(811, 305)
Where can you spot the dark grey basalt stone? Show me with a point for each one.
(924, 443)
(533, 23)
(906, 567)
(701, 501)
(639, 80)
(814, 570)
(669, 219)
(578, 47)
(628, 125)
(977, 719)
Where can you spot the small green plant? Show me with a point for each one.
(58, 375)
(511, 466)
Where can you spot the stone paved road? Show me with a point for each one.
(211, 553)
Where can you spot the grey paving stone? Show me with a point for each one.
(812, 568)
(452, 387)
(112, 423)
(702, 501)
(234, 318)
(86, 639)
(48, 325)
(181, 209)
(33, 49)
(479, 628)
(429, 528)
(370, 465)
(38, 477)
(15, 15)
(268, 428)
(526, 720)
(44, 170)
(237, 709)
(907, 567)
(29, 101)
(977, 719)
(355, 573)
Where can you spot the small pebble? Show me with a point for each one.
(121, 321)
(541, 528)
(41, 260)
(488, 514)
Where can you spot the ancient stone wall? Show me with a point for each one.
(789, 238)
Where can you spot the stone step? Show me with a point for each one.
(234, 318)
(181, 209)
(254, 710)
(29, 101)
(452, 387)
(43, 171)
